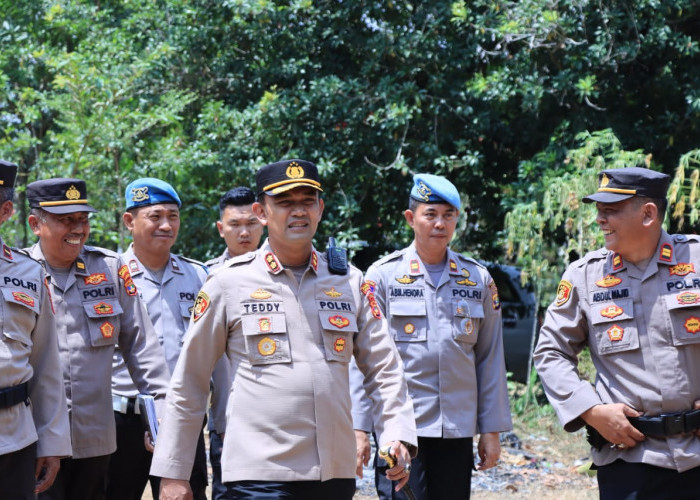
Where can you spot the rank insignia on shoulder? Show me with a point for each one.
(201, 304)
(133, 266)
(80, 265)
(615, 333)
(611, 312)
(666, 254)
(23, 298)
(339, 344)
(692, 325)
(617, 262)
(563, 292)
(453, 266)
(107, 330)
(682, 269)
(405, 280)
(272, 263)
(465, 281)
(267, 346)
(339, 321)
(608, 281)
(332, 293)
(260, 294)
(95, 279)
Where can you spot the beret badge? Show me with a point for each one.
(139, 194)
(424, 191)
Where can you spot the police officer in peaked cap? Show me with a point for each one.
(636, 305)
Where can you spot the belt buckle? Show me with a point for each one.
(674, 423)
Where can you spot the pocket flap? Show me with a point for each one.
(407, 308)
(617, 310)
(22, 298)
(338, 321)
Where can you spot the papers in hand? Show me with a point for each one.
(147, 409)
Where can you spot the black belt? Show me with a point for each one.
(668, 424)
(11, 396)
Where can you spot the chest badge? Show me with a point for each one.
(267, 346)
(409, 328)
(339, 321)
(23, 298)
(687, 298)
(405, 280)
(339, 344)
(332, 293)
(95, 279)
(615, 333)
(103, 308)
(608, 281)
(465, 281)
(260, 294)
(107, 330)
(692, 325)
(682, 269)
(612, 311)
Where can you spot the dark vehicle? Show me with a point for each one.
(519, 311)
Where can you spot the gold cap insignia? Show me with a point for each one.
(604, 181)
(424, 191)
(332, 293)
(139, 194)
(73, 193)
(260, 294)
(294, 171)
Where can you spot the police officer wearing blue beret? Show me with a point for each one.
(636, 305)
(167, 284)
(445, 319)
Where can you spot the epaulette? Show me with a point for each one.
(471, 260)
(193, 261)
(240, 259)
(600, 253)
(104, 251)
(682, 238)
(24, 253)
(212, 262)
(388, 258)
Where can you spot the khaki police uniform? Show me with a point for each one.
(218, 261)
(449, 336)
(98, 307)
(29, 355)
(288, 416)
(643, 330)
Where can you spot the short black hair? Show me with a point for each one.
(6, 194)
(661, 204)
(236, 197)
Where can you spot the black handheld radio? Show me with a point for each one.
(337, 258)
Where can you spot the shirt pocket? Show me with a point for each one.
(266, 338)
(467, 316)
(186, 307)
(684, 312)
(19, 311)
(103, 321)
(408, 320)
(614, 326)
(338, 330)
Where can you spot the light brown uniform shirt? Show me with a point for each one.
(288, 415)
(29, 353)
(643, 330)
(98, 307)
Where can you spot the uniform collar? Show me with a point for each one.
(136, 267)
(274, 266)
(6, 254)
(665, 254)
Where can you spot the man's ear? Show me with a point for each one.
(409, 216)
(6, 211)
(650, 213)
(259, 212)
(34, 222)
(220, 228)
(128, 219)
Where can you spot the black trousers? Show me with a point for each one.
(622, 480)
(131, 463)
(333, 489)
(79, 479)
(17, 474)
(441, 471)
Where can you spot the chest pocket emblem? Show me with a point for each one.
(615, 333)
(267, 346)
(264, 325)
(465, 280)
(611, 311)
(692, 325)
(23, 298)
(107, 330)
(339, 321)
(339, 344)
(405, 280)
(103, 308)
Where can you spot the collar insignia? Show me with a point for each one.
(332, 293)
(272, 263)
(134, 266)
(666, 254)
(314, 258)
(405, 280)
(453, 266)
(617, 262)
(415, 266)
(80, 265)
(260, 294)
(608, 281)
(176, 266)
(7, 252)
(682, 269)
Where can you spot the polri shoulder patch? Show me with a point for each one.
(201, 304)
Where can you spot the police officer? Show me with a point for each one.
(444, 315)
(167, 285)
(33, 438)
(636, 305)
(290, 327)
(242, 231)
(96, 305)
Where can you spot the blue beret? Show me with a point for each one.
(428, 188)
(149, 191)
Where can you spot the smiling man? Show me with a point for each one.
(96, 304)
(445, 318)
(290, 327)
(167, 285)
(636, 305)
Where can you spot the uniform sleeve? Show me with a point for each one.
(493, 413)
(384, 381)
(562, 337)
(138, 342)
(361, 403)
(221, 386)
(46, 389)
(186, 403)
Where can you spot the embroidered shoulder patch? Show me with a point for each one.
(563, 292)
(201, 304)
(128, 282)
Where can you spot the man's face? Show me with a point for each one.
(240, 229)
(292, 216)
(154, 227)
(621, 223)
(433, 224)
(62, 236)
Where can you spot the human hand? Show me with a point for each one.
(175, 489)
(611, 421)
(45, 472)
(401, 468)
(148, 442)
(489, 449)
(363, 451)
